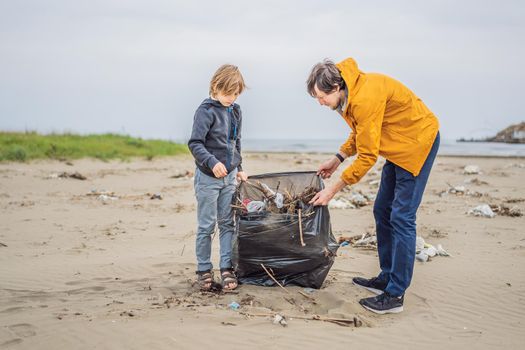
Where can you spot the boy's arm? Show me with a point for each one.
(201, 125)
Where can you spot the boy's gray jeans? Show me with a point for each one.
(214, 199)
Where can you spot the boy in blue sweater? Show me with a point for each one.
(216, 146)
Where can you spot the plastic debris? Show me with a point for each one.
(422, 256)
(471, 170)
(105, 198)
(309, 290)
(440, 251)
(65, 175)
(483, 210)
(457, 190)
(364, 241)
(279, 200)
(374, 182)
(430, 251)
(278, 319)
(420, 244)
(255, 206)
(340, 204)
(358, 200)
(425, 251)
(287, 201)
(234, 305)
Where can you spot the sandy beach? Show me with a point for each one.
(98, 263)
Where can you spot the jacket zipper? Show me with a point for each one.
(228, 158)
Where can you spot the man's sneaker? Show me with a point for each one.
(373, 284)
(383, 304)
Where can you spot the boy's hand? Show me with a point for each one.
(219, 170)
(241, 176)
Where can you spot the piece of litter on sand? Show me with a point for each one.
(358, 200)
(373, 182)
(156, 196)
(420, 243)
(430, 251)
(340, 204)
(234, 305)
(105, 198)
(440, 251)
(65, 175)
(364, 241)
(425, 251)
(483, 210)
(356, 322)
(422, 256)
(228, 324)
(309, 290)
(471, 170)
(457, 189)
(504, 210)
(278, 319)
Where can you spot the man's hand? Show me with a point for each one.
(328, 168)
(324, 196)
(241, 176)
(219, 170)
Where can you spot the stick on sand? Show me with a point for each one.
(273, 278)
(340, 321)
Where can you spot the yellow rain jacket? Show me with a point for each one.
(386, 119)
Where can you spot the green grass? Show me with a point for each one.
(21, 147)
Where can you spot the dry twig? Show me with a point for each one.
(273, 278)
(301, 227)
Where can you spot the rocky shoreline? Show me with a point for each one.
(512, 134)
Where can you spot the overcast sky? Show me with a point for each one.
(143, 67)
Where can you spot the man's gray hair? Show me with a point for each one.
(325, 76)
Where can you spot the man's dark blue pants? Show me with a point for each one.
(395, 210)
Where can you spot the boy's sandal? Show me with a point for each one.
(228, 277)
(205, 280)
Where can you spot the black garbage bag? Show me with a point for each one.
(273, 239)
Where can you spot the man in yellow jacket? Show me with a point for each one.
(388, 120)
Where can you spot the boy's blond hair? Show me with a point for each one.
(227, 80)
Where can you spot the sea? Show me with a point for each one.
(447, 147)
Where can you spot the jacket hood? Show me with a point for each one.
(215, 103)
(352, 76)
